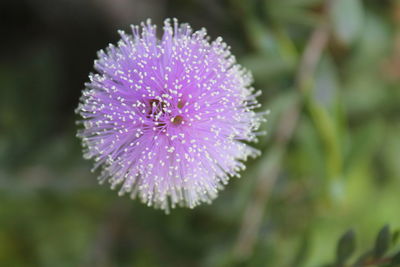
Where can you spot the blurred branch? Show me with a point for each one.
(254, 211)
(311, 56)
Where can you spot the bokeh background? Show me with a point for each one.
(329, 72)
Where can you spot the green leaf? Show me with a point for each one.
(347, 19)
(326, 127)
(303, 252)
(345, 248)
(382, 242)
(396, 259)
(363, 258)
(395, 237)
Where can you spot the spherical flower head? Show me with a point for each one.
(165, 119)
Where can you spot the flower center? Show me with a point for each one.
(156, 111)
(155, 107)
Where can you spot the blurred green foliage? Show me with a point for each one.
(330, 159)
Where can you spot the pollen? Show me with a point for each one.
(177, 120)
(180, 104)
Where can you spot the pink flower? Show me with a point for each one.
(165, 119)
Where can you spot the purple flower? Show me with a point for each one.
(165, 118)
